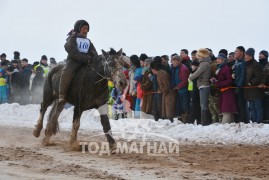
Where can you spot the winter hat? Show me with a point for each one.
(224, 51)
(250, 52)
(149, 60)
(53, 61)
(143, 57)
(44, 57)
(177, 57)
(3, 55)
(134, 58)
(16, 55)
(222, 56)
(265, 53)
(79, 24)
(203, 53)
(195, 63)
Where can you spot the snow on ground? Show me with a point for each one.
(26, 116)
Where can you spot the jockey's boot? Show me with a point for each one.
(64, 85)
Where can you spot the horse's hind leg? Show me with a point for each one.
(52, 126)
(47, 101)
(39, 124)
(76, 124)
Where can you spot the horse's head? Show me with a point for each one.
(113, 68)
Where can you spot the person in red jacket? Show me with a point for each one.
(180, 74)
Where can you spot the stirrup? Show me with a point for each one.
(61, 99)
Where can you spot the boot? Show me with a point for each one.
(180, 118)
(64, 86)
(204, 118)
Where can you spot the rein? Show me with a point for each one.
(105, 69)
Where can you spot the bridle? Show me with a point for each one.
(106, 69)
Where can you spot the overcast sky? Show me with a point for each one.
(155, 27)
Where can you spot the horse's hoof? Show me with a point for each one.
(37, 130)
(75, 146)
(36, 133)
(45, 142)
(113, 148)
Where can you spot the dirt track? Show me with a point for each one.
(23, 157)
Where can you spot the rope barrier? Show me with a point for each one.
(244, 87)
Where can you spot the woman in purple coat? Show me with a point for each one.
(227, 98)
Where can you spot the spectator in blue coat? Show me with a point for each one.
(239, 69)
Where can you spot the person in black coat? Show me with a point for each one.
(253, 95)
(37, 86)
(195, 109)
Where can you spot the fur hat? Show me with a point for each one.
(203, 53)
(265, 53)
(78, 25)
(143, 57)
(250, 52)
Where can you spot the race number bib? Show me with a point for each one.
(83, 45)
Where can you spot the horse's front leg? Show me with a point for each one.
(75, 128)
(39, 124)
(107, 130)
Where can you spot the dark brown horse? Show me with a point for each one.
(88, 90)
